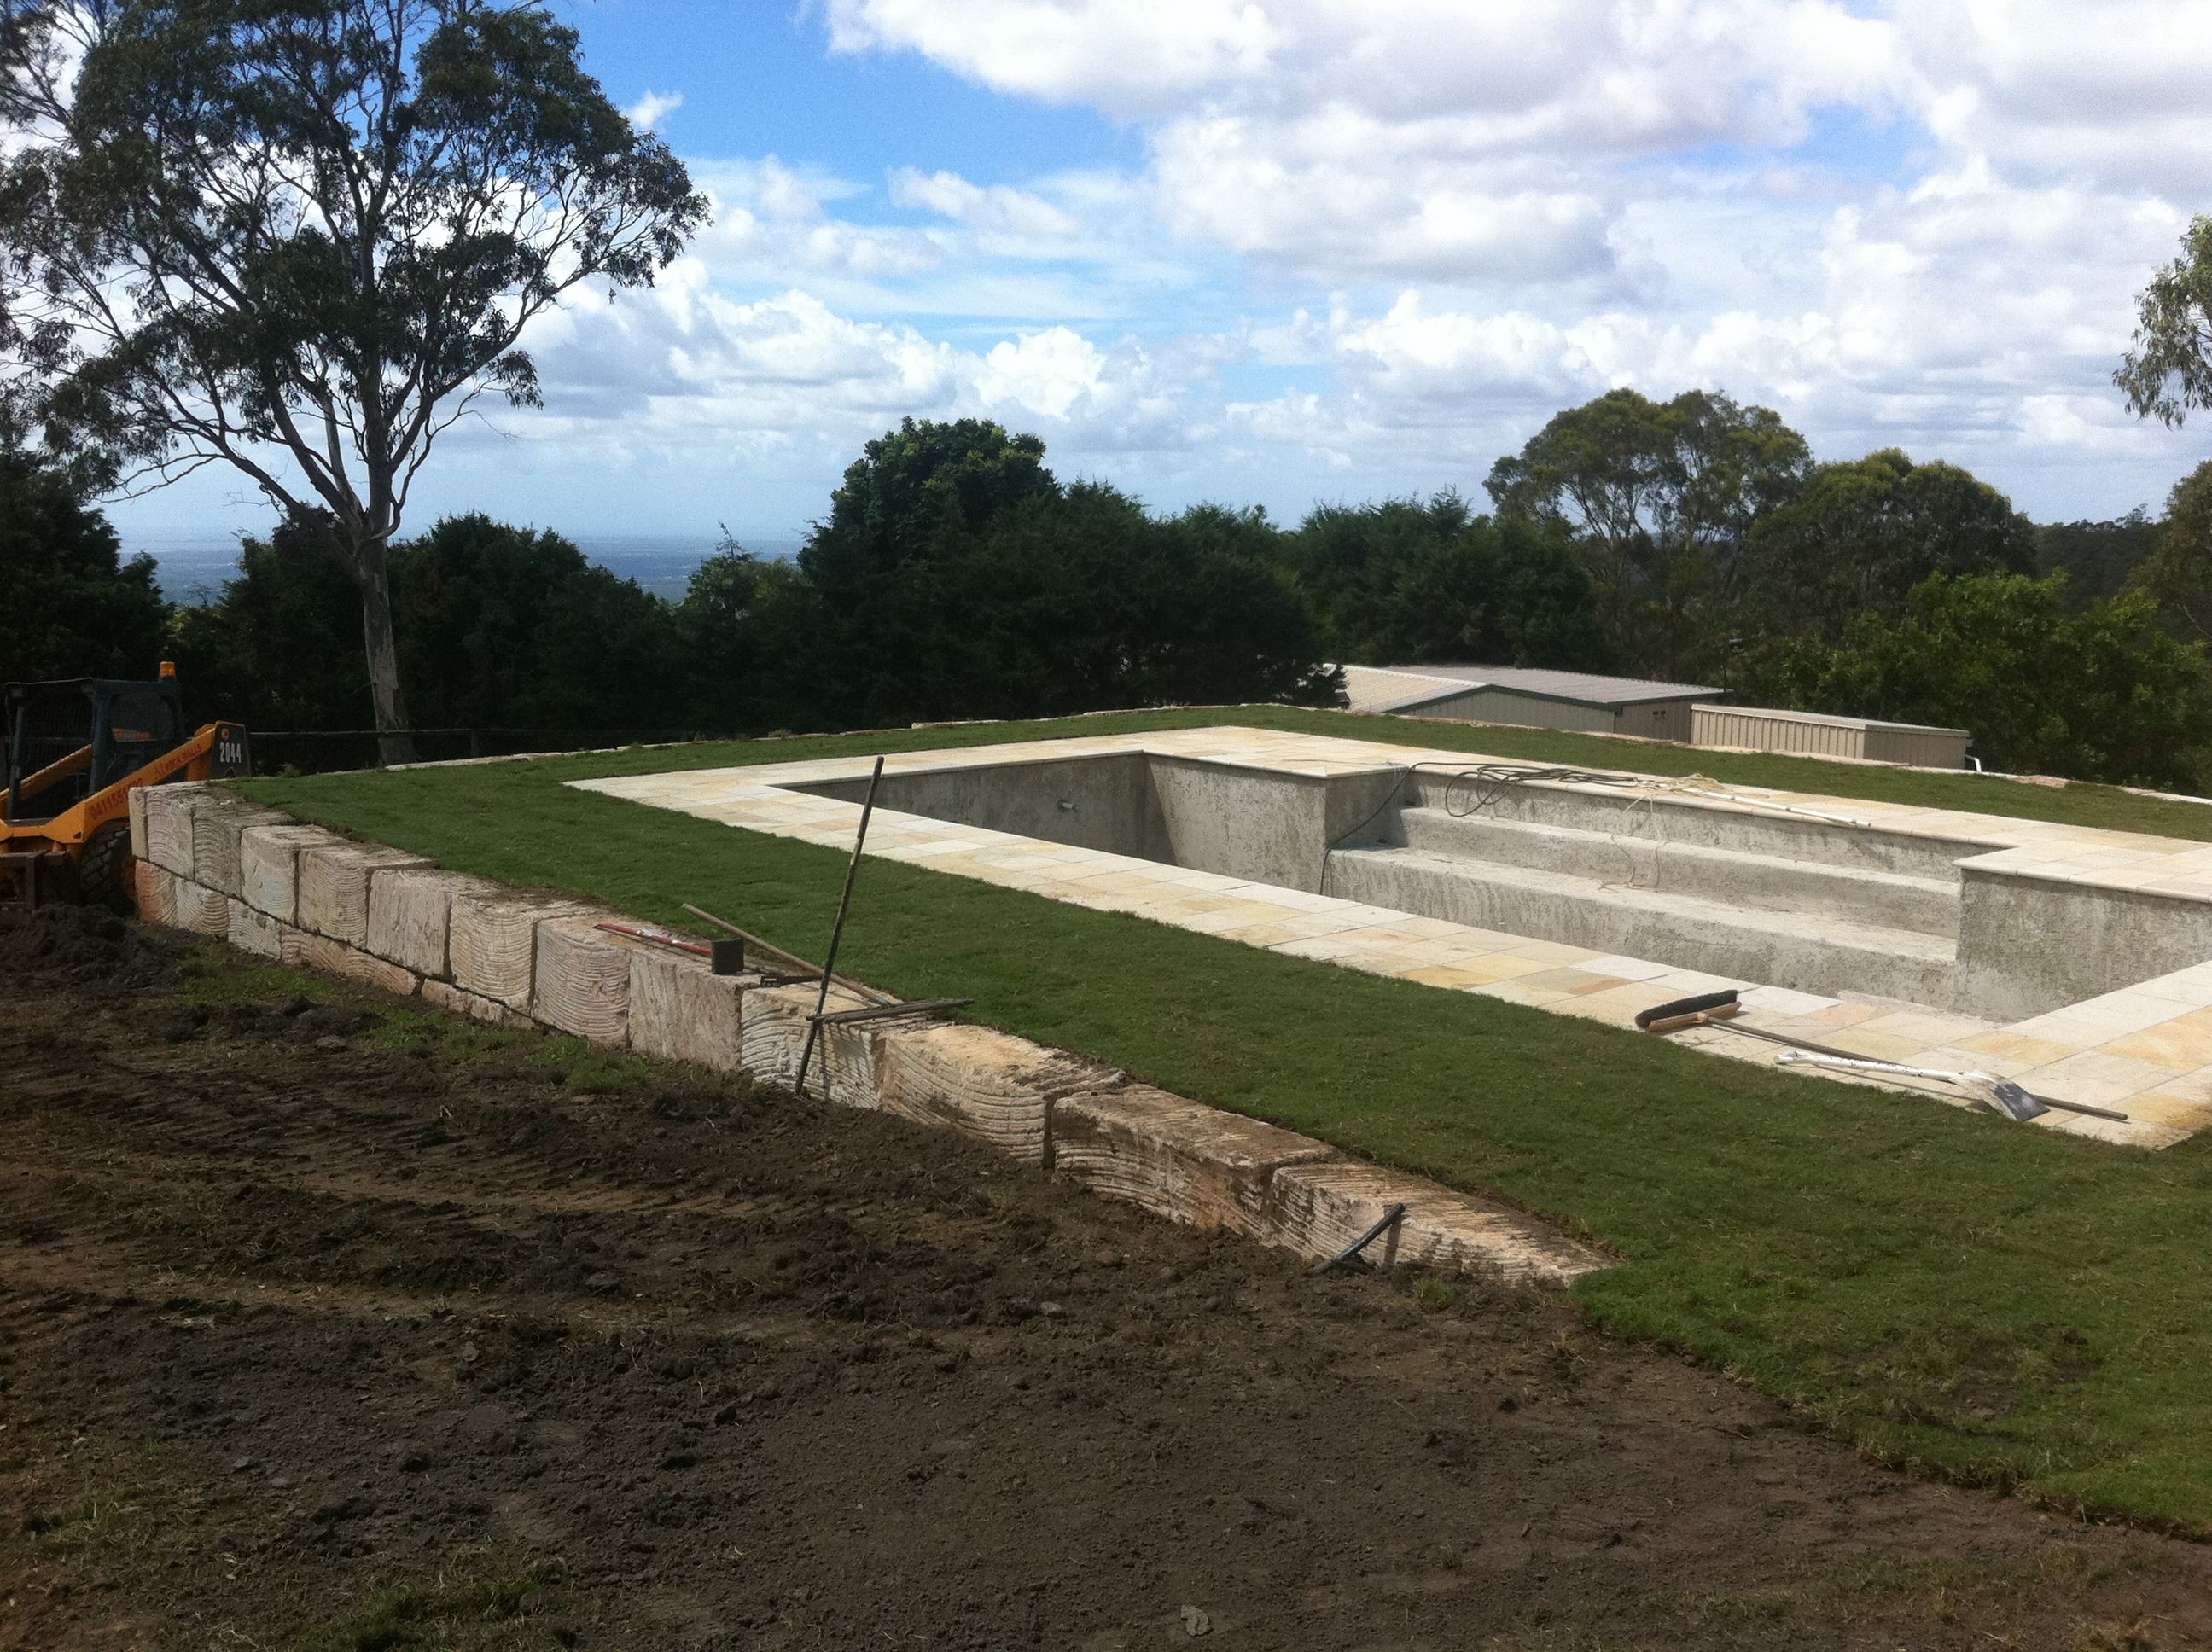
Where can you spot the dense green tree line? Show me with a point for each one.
(955, 576)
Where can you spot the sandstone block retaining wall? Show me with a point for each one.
(220, 866)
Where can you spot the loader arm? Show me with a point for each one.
(75, 763)
(78, 748)
(218, 750)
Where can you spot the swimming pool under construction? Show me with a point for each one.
(2072, 961)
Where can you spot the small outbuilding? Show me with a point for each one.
(1528, 697)
(1754, 728)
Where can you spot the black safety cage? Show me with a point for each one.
(126, 726)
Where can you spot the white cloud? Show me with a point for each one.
(1339, 137)
(685, 367)
(772, 220)
(1415, 356)
(649, 110)
(1370, 245)
(1041, 371)
(2111, 94)
(1522, 202)
(997, 206)
(1326, 195)
(1135, 53)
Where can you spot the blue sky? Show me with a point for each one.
(1289, 251)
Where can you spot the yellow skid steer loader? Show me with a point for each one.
(76, 750)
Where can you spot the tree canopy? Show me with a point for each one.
(2100, 559)
(1859, 537)
(954, 576)
(2169, 371)
(72, 605)
(1411, 581)
(1662, 496)
(301, 237)
(2104, 694)
(2178, 573)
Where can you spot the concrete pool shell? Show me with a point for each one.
(2071, 959)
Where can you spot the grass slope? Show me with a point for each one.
(2006, 1305)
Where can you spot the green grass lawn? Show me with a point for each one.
(2006, 1305)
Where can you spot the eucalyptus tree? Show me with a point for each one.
(1863, 534)
(1660, 496)
(303, 238)
(2169, 372)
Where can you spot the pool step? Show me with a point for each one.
(1636, 855)
(1822, 835)
(1811, 951)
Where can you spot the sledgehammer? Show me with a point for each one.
(1699, 1012)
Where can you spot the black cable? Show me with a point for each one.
(1487, 783)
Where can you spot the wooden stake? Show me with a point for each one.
(837, 933)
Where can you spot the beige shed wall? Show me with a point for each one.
(1753, 729)
(1933, 748)
(1725, 725)
(1655, 719)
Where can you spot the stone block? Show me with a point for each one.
(681, 1011)
(458, 1001)
(219, 819)
(268, 866)
(843, 1067)
(136, 804)
(202, 910)
(409, 916)
(492, 942)
(579, 980)
(293, 941)
(987, 1085)
(335, 957)
(155, 891)
(1189, 1163)
(168, 811)
(1318, 1209)
(333, 887)
(253, 932)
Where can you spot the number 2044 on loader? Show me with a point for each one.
(76, 750)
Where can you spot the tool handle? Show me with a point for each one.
(1696, 1018)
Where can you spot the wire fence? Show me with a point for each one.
(322, 751)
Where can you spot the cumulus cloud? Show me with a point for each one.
(1522, 203)
(772, 220)
(996, 207)
(1041, 371)
(684, 367)
(1425, 137)
(2045, 89)
(649, 110)
(1134, 54)
(1371, 245)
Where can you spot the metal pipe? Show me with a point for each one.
(1391, 1217)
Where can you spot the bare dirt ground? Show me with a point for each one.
(341, 1326)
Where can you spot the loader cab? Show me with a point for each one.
(67, 740)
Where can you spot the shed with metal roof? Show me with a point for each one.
(1528, 697)
(1864, 739)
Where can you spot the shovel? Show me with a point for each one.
(1998, 1095)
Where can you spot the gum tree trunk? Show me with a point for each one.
(393, 743)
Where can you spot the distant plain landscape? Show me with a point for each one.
(194, 565)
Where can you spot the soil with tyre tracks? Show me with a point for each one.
(337, 1324)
